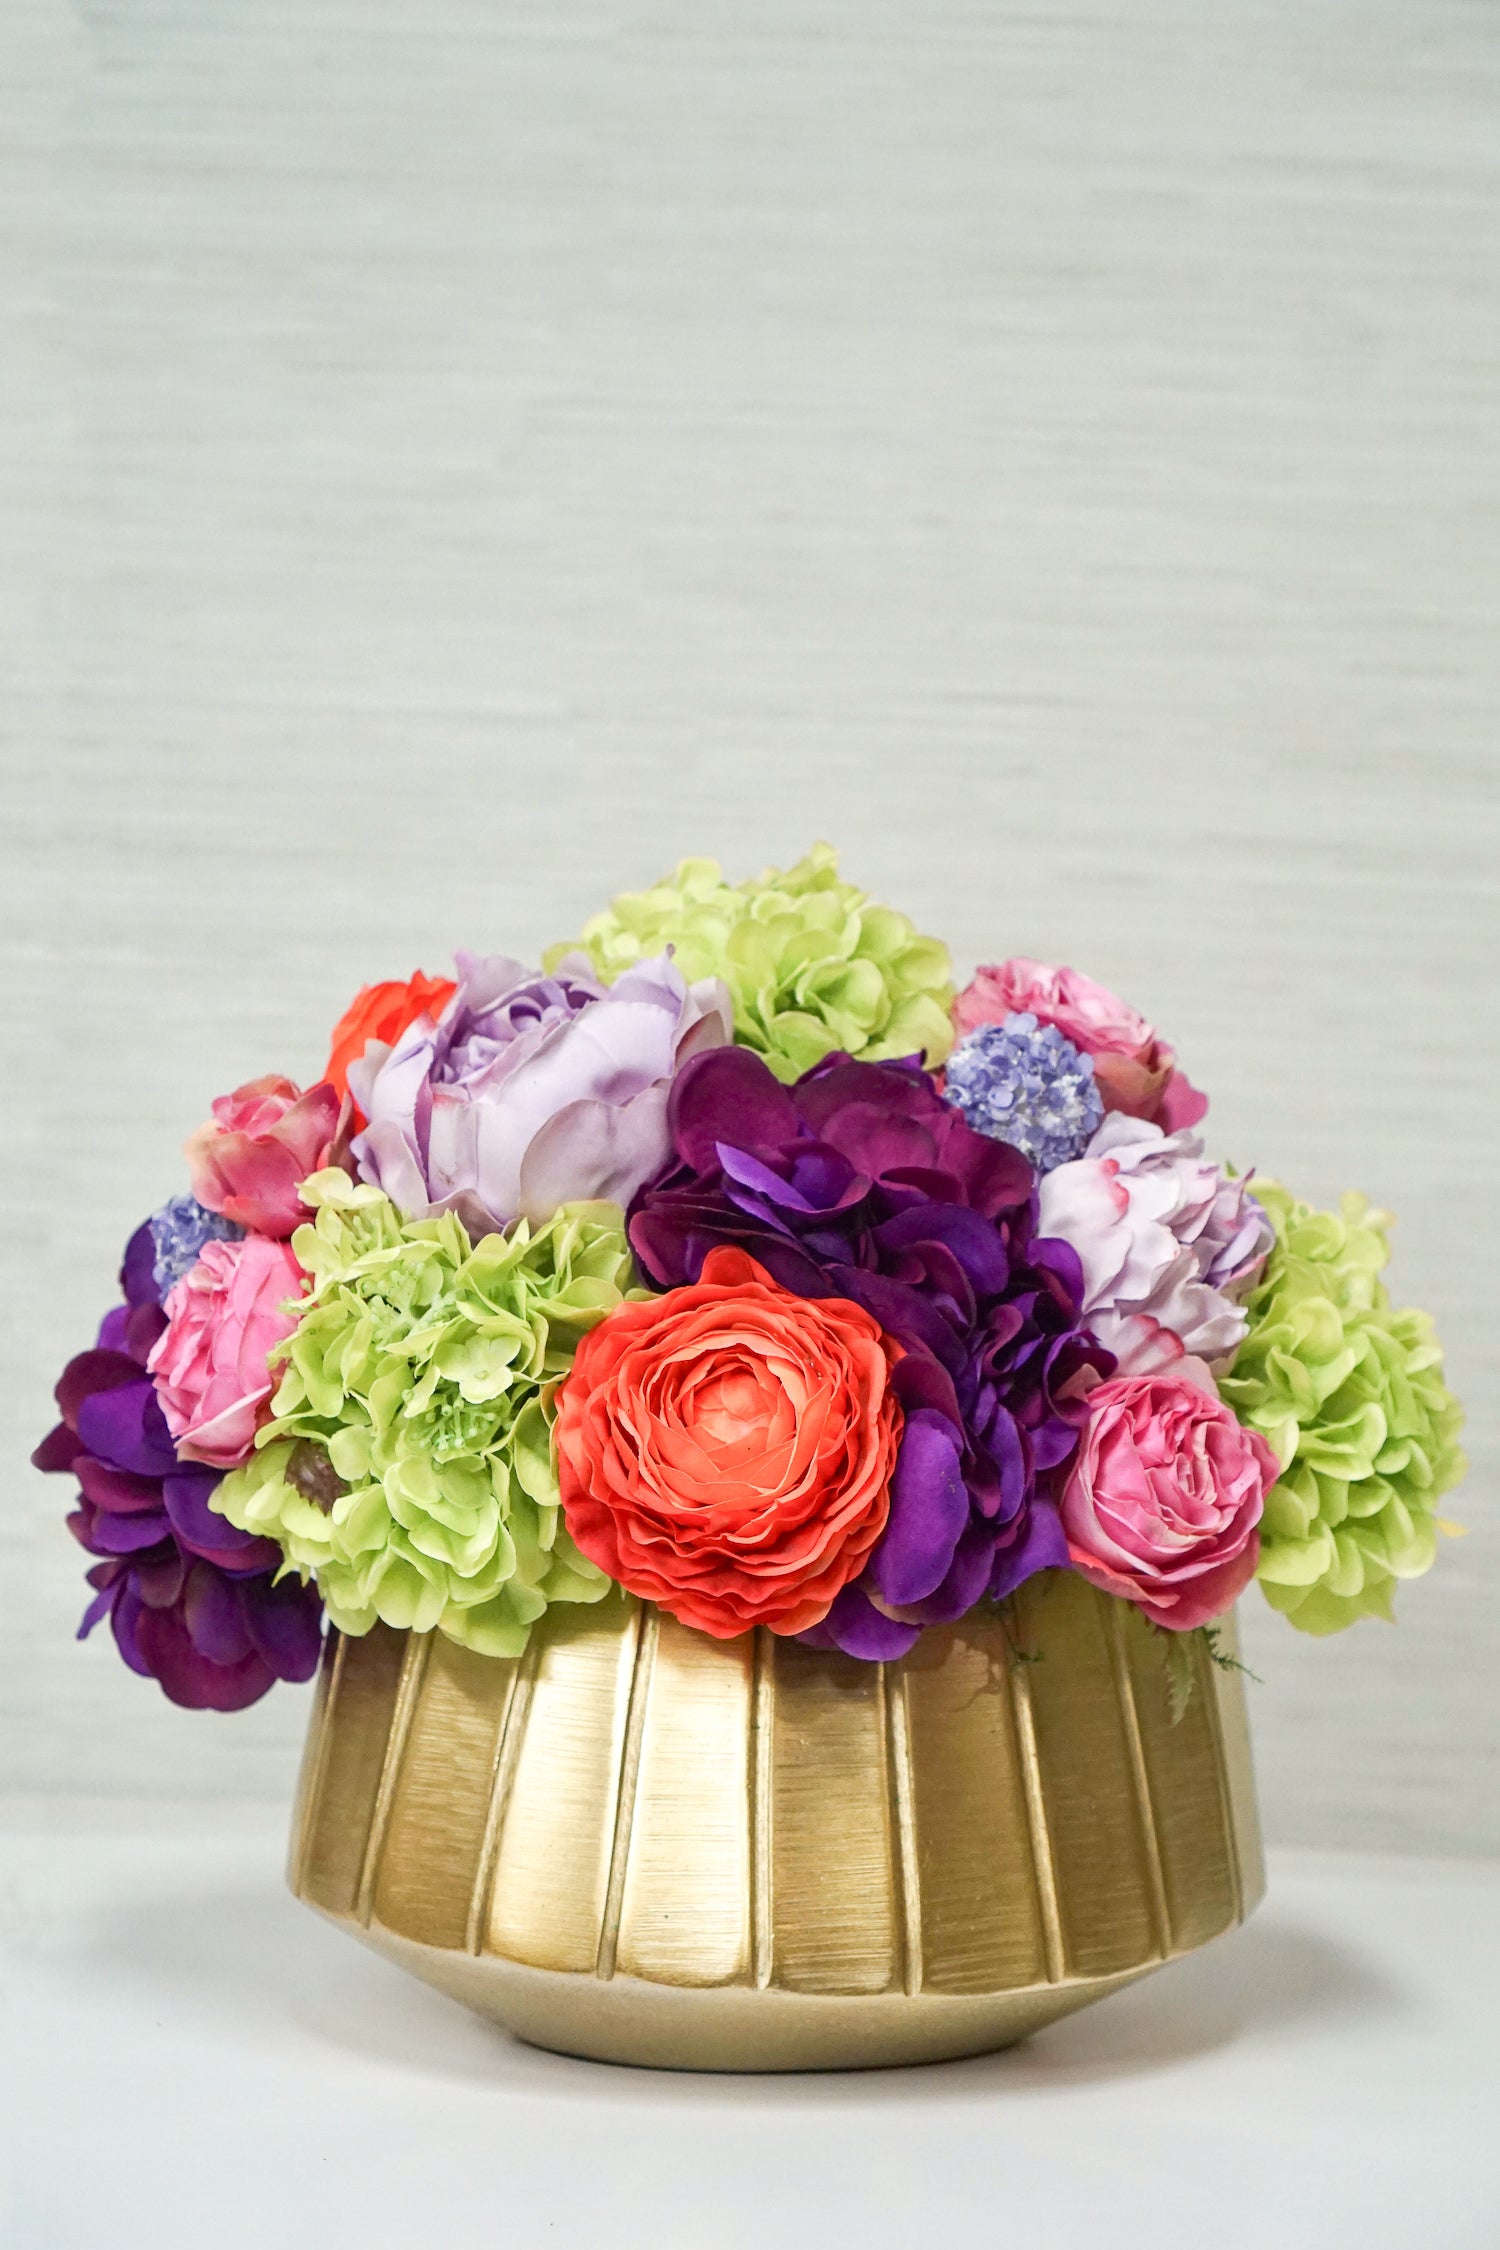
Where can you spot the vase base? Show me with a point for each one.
(735, 2027)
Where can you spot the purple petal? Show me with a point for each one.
(137, 1275)
(1043, 1545)
(856, 1627)
(192, 1679)
(125, 1535)
(124, 1623)
(125, 1426)
(89, 1372)
(101, 1605)
(285, 1622)
(728, 1093)
(105, 1486)
(59, 1449)
(929, 1509)
(214, 1616)
(207, 1534)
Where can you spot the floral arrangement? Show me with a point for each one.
(735, 1259)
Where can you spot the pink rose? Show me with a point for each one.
(1164, 1496)
(261, 1143)
(209, 1364)
(1134, 1068)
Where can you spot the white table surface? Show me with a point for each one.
(191, 2058)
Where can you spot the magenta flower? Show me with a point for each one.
(531, 1091)
(192, 1602)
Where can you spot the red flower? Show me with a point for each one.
(382, 1012)
(726, 1450)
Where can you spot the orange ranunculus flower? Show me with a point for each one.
(382, 1011)
(726, 1450)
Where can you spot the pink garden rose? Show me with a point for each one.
(209, 1364)
(1165, 1494)
(260, 1144)
(1134, 1068)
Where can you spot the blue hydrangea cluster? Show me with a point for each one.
(1031, 1087)
(178, 1232)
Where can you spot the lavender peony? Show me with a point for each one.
(859, 1181)
(532, 1091)
(1168, 1243)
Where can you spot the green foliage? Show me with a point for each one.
(1349, 1393)
(811, 963)
(424, 1366)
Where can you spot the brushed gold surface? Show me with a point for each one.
(981, 1920)
(642, 1844)
(835, 1908)
(433, 1839)
(556, 1842)
(687, 1900)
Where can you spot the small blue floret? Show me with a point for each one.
(1016, 1082)
(178, 1232)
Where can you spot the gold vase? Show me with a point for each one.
(643, 1845)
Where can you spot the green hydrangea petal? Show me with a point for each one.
(1349, 1393)
(812, 964)
(425, 1366)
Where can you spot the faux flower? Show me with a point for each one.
(1165, 1493)
(210, 1365)
(178, 1232)
(1019, 1083)
(726, 1450)
(377, 1015)
(861, 1182)
(1134, 1068)
(1168, 1243)
(532, 1091)
(813, 965)
(1349, 1392)
(409, 1463)
(260, 1143)
(193, 1603)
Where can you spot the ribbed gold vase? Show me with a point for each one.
(640, 1844)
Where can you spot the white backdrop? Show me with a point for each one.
(456, 459)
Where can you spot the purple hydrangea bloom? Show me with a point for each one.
(190, 1599)
(1030, 1086)
(178, 1232)
(861, 1182)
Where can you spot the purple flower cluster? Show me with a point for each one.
(860, 1181)
(192, 1602)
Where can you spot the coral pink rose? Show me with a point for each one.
(1165, 1494)
(726, 1450)
(262, 1141)
(1134, 1068)
(209, 1365)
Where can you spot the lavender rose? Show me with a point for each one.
(531, 1091)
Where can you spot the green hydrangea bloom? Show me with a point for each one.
(421, 1375)
(812, 964)
(1349, 1393)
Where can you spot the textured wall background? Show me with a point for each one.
(455, 459)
